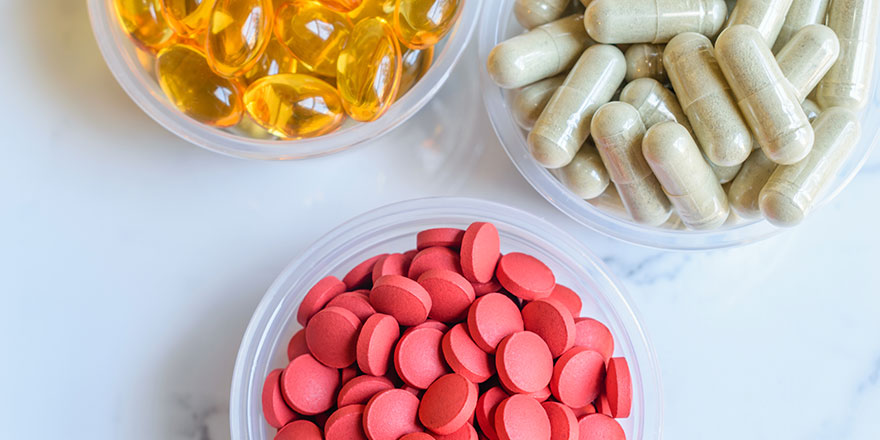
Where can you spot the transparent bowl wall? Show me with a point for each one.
(128, 66)
(393, 228)
(498, 24)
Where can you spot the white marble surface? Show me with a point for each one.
(130, 263)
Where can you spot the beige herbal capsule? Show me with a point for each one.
(848, 83)
(617, 131)
(807, 57)
(645, 61)
(531, 13)
(540, 53)
(792, 189)
(744, 191)
(585, 175)
(609, 201)
(811, 109)
(801, 13)
(652, 21)
(707, 100)
(528, 102)
(685, 176)
(564, 124)
(767, 16)
(766, 98)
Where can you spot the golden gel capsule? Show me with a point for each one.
(807, 57)
(686, 178)
(801, 13)
(565, 122)
(617, 131)
(238, 33)
(294, 105)
(414, 64)
(313, 34)
(368, 70)
(143, 20)
(531, 13)
(341, 5)
(652, 21)
(706, 99)
(195, 89)
(276, 59)
(528, 102)
(585, 175)
(423, 23)
(766, 98)
(746, 187)
(373, 8)
(848, 83)
(187, 17)
(792, 189)
(543, 52)
(645, 61)
(767, 16)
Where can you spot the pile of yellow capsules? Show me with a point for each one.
(296, 67)
(714, 121)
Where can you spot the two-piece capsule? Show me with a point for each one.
(746, 187)
(238, 33)
(652, 21)
(368, 70)
(848, 83)
(807, 57)
(313, 33)
(767, 16)
(802, 13)
(645, 61)
(531, 13)
(585, 175)
(527, 103)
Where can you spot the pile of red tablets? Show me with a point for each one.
(452, 340)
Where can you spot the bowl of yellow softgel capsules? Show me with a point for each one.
(282, 79)
(684, 124)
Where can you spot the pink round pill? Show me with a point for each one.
(362, 274)
(443, 237)
(451, 294)
(355, 302)
(348, 373)
(520, 417)
(417, 436)
(491, 318)
(600, 427)
(317, 297)
(275, 409)
(391, 414)
(481, 289)
(464, 356)
(525, 276)
(404, 299)
(569, 298)
(299, 430)
(540, 395)
(485, 412)
(578, 376)
(391, 264)
(524, 363)
(346, 424)
(594, 335)
(360, 389)
(375, 343)
(466, 432)
(618, 388)
(480, 250)
(297, 345)
(434, 258)
(448, 404)
(332, 336)
(308, 386)
(552, 321)
(418, 359)
(563, 423)
(601, 405)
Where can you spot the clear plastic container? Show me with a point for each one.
(498, 24)
(393, 228)
(134, 74)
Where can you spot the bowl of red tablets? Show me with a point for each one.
(273, 79)
(445, 318)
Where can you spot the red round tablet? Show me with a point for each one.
(332, 336)
(404, 299)
(317, 297)
(308, 386)
(601, 405)
(275, 409)
(451, 294)
(418, 359)
(465, 357)
(466, 432)
(525, 276)
(431, 323)
(491, 318)
(522, 418)
(417, 436)
(356, 302)
(443, 237)
(594, 335)
(485, 412)
(297, 345)
(584, 411)
(552, 321)
(434, 258)
(348, 373)
(299, 430)
(524, 363)
(346, 424)
(391, 414)
(360, 389)
(618, 388)
(578, 376)
(600, 427)
(563, 423)
(448, 404)
(568, 297)
(480, 250)
(362, 274)
(481, 289)
(540, 395)
(391, 264)
(375, 344)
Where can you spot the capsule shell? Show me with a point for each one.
(565, 122)
(191, 85)
(293, 106)
(187, 17)
(420, 24)
(313, 33)
(767, 16)
(811, 109)
(528, 102)
(609, 201)
(144, 21)
(368, 70)
(645, 61)
(766, 98)
(341, 5)
(276, 59)
(746, 187)
(543, 52)
(792, 189)
(531, 13)
(618, 131)
(585, 175)
(848, 83)
(707, 100)
(414, 65)
(652, 21)
(807, 57)
(801, 14)
(238, 33)
(654, 102)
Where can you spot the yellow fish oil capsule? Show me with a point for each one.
(373, 8)
(792, 189)
(341, 5)
(801, 13)
(238, 33)
(645, 61)
(414, 65)
(544, 51)
(652, 21)
(746, 187)
(313, 33)
(585, 175)
(423, 23)
(707, 100)
(766, 98)
(618, 131)
(294, 105)
(196, 90)
(144, 21)
(276, 59)
(528, 102)
(848, 83)
(565, 122)
(187, 17)
(531, 13)
(368, 70)
(767, 16)
(686, 178)
(807, 57)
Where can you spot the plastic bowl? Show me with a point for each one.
(393, 228)
(498, 24)
(126, 64)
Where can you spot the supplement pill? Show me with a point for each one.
(465, 357)
(368, 70)
(801, 14)
(238, 33)
(443, 237)
(585, 175)
(553, 322)
(487, 404)
(564, 125)
(414, 65)
(332, 336)
(341, 5)
(420, 24)
(391, 414)
(448, 404)
(520, 417)
(569, 298)
(187, 17)
(360, 389)
(436, 257)
(848, 83)
(528, 102)
(491, 318)
(275, 60)
(144, 21)
(652, 21)
(600, 426)
(345, 424)
(356, 302)
(275, 410)
(317, 297)
(767, 16)
(480, 251)
(403, 298)
(811, 109)
(299, 430)
(418, 357)
(807, 57)
(313, 33)
(618, 388)
(531, 13)
(592, 334)
(578, 377)
(766, 98)
(375, 344)
(654, 102)
(525, 276)
(451, 294)
(645, 61)
(294, 105)
(524, 363)
(563, 423)
(308, 386)
(744, 191)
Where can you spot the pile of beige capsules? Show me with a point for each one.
(702, 124)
